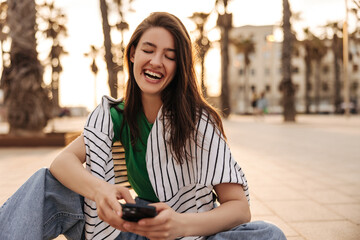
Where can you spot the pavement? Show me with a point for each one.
(304, 176)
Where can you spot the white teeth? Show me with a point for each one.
(152, 74)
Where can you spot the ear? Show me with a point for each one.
(132, 54)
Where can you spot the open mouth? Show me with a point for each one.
(152, 75)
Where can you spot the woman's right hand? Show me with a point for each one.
(108, 206)
(69, 170)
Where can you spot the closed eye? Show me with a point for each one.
(147, 51)
(170, 58)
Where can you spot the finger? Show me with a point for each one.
(115, 206)
(156, 224)
(160, 206)
(154, 235)
(111, 217)
(125, 194)
(134, 228)
(160, 218)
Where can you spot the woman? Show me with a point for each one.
(176, 156)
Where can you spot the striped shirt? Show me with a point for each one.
(187, 187)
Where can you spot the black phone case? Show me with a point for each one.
(133, 212)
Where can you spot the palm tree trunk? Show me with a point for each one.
(246, 89)
(203, 87)
(337, 86)
(307, 82)
(225, 23)
(28, 104)
(111, 66)
(317, 86)
(55, 75)
(287, 85)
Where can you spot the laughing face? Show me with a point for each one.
(154, 61)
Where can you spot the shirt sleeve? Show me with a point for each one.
(215, 163)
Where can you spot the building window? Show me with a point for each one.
(309, 86)
(252, 72)
(354, 86)
(326, 69)
(355, 68)
(295, 69)
(241, 72)
(325, 87)
(267, 88)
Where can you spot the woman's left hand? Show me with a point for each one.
(167, 225)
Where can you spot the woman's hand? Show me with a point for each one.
(69, 170)
(108, 206)
(166, 225)
(233, 211)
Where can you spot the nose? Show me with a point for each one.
(156, 60)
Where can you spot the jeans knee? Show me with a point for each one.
(274, 231)
(40, 174)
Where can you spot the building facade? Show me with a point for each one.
(264, 74)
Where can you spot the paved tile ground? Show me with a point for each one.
(304, 176)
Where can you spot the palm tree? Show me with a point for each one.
(308, 69)
(202, 44)
(355, 35)
(319, 52)
(245, 46)
(112, 67)
(25, 97)
(93, 53)
(224, 22)
(121, 26)
(315, 49)
(287, 86)
(55, 30)
(337, 53)
(3, 33)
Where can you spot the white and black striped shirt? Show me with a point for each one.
(186, 187)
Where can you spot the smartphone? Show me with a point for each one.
(134, 212)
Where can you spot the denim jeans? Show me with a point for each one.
(42, 208)
(257, 230)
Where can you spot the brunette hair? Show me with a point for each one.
(183, 102)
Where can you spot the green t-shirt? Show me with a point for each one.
(135, 156)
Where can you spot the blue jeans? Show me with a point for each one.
(257, 230)
(43, 208)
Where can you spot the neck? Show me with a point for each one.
(151, 106)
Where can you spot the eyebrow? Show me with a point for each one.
(153, 45)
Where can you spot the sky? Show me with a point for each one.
(85, 29)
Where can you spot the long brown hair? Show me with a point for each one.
(182, 99)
